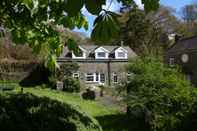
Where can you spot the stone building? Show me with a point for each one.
(184, 54)
(99, 65)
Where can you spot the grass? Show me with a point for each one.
(93, 108)
(110, 118)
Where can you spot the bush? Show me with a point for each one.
(158, 97)
(52, 82)
(89, 95)
(26, 112)
(71, 84)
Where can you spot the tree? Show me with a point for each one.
(159, 97)
(189, 15)
(36, 21)
(139, 32)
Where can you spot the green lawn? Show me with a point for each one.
(93, 108)
(110, 118)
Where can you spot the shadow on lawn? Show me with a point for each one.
(120, 122)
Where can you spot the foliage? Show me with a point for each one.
(189, 16)
(71, 84)
(36, 76)
(139, 32)
(16, 52)
(158, 97)
(64, 73)
(66, 70)
(28, 112)
(37, 22)
(89, 95)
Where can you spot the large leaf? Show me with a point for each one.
(106, 27)
(94, 6)
(73, 7)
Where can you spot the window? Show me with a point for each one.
(76, 75)
(102, 78)
(115, 77)
(121, 54)
(129, 75)
(101, 54)
(90, 77)
(171, 61)
(97, 76)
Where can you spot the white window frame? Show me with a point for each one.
(171, 61)
(97, 75)
(101, 50)
(75, 76)
(104, 77)
(121, 50)
(88, 75)
(115, 75)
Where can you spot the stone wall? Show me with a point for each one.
(15, 70)
(103, 67)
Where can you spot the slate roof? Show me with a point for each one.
(184, 44)
(91, 48)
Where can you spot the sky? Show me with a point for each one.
(176, 4)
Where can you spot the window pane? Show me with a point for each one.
(171, 61)
(90, 77)
(115, 77)
(97, 76)
(102, 78)
(76, 75)
(101, 54)
(121, 54)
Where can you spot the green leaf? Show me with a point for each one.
(68, 22)
(106, 27)
(51, 62)
(28, 3)
(94, 6)
(71, 44)
(73, 7)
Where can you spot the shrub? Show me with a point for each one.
(158, 96)
(89, 95)
(26, 112)
(52, 82)
(66, 70)
(71, 84)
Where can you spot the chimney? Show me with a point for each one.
(121, 43)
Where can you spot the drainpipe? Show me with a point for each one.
(109, 72)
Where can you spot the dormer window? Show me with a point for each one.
(80, 55)
(121, 53)
(101, 53)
